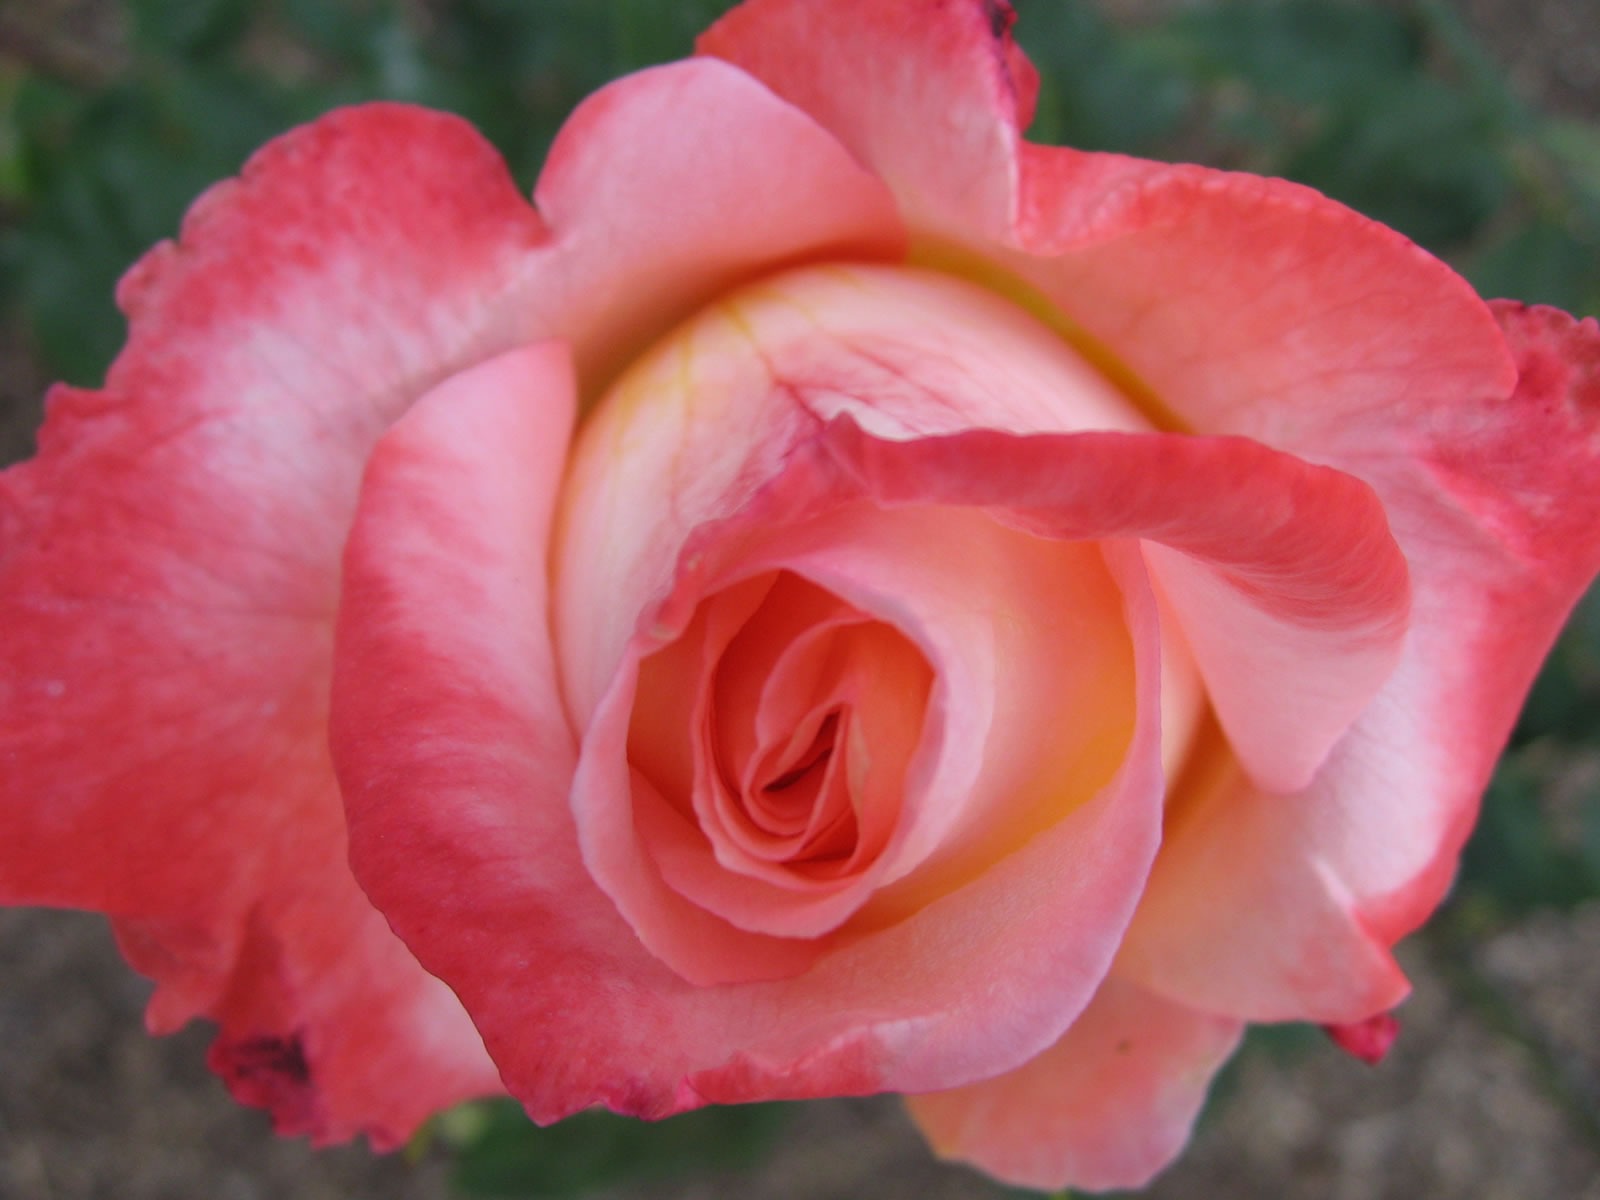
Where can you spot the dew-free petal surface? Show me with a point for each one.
(1498, 508)
(462, 828)
(676, 184)
(169, 573)
(185, 524)
(1107, 1106)
(928, 95)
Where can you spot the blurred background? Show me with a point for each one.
(1471, 125)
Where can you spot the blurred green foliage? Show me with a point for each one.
(1390, 107)
(504, 1155)
(101, 154)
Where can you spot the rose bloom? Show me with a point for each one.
(830, 598)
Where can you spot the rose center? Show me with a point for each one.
(804, 811)
(806, 713)
(820, 751)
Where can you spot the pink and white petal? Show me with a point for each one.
(1291, 592)
(929, 95)
(1501, 522)
(1259, 307)
(1108, 1106)
(357, 262)
(671, 186)
(169, 571)
(1503, 531)
(460, 827)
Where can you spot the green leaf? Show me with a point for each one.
(511, 1157)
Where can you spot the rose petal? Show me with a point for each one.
(358, 261)
(1232, 304)
(929, 95)
(996, 764)
(710, 414)
(1108, 1106)
(1369, 1040)
(169, 573)
(1292, 637)
(738, 184)
(1284, 576)
(460, 828)
(1284, 939)
(805, 670)
(1501, 522)
(1338, 334)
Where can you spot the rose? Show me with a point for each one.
(1005, 618)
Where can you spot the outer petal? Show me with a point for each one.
(1108, 1106)
(1259, 307)
(671, 186)
(929, 95)
(168, 571)
(169, 563)
(460, 827)
(1501, 520)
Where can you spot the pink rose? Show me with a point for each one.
(832, 598)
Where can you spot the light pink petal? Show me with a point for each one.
(1500, 518)
(461, 828)
(1246, 913)
(667, 188)
(1108, 1106)
(928, 95)
(997, 763)
(1306, 553)
(168, 577)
